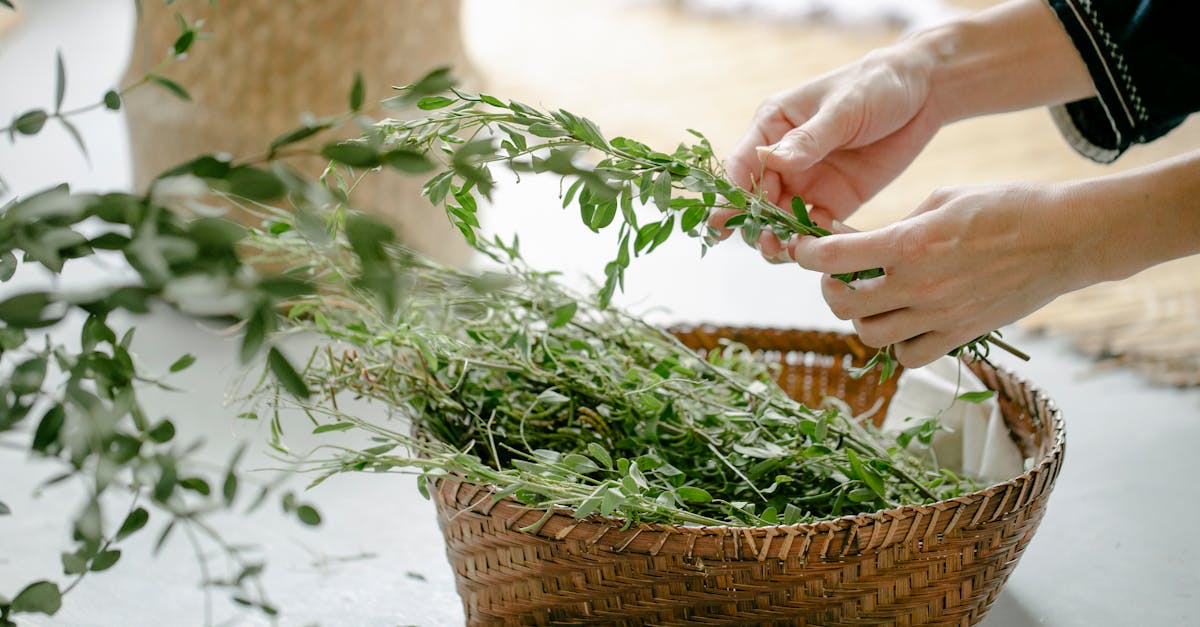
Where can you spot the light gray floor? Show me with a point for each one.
(1114, 548)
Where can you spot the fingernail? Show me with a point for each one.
(779, 151)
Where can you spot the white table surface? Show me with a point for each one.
(1113, 549)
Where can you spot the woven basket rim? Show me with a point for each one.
(1024, 480)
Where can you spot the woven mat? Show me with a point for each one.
(1150, 323)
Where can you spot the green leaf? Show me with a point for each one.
(171, 86)
(30, 122)
(49, 428)
(285, 287)
(41, 597)
(407, 160)
(8, 4)
(552, 398)
(296, 135)
(216, 233)
(204, 166)
(866, 475)
(255, 184)
(801, 211)
(105, 560)
(492, 100)
(28, 376)
(184, 42)
(435, 82)
(308, 515)
(286, 374)
(353, 154)
(112, 100)
(4, 510)
(163, 432)
(75, 136)
(197, 485)
(546, 129)
(664, 232)
(563, 314)
(435, 102)
(183, 363)
(601, 454)
(693, 494)
(662, 191)
(336, 426)
(133, 523)
(74, 563)
(357, 92)
(60, 82)
(162, 537)
(976, 397)
(8, 265)
(258, 325)
(692, 217)
(603, 216)
(229, 488)
(11, 338)
(646, 235)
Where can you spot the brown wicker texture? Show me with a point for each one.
(268, 64)
(942, 563)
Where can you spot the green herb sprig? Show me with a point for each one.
(466, 134)
(514, 382)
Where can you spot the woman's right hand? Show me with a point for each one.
(839, 139)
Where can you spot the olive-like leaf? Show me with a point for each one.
(286, 374)
(41, 597)
(171, 86)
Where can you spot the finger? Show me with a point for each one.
(772, 249)
(743, 163)
(808, 143)
(893, 327)
(823, 217)
(848, 252)
(862, 299)
(924, 349)
(718, 219)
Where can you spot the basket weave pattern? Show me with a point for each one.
(268, 64)
(942, 563)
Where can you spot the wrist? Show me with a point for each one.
(1137, 219)
(1010, 57)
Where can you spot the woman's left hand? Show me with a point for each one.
(967, 261)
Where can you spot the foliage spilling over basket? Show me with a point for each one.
(587, 466)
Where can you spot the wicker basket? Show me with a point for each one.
(942, 563)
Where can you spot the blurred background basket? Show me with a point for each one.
(941, 563)
(268, 64)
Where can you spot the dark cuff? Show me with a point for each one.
(1103, 127)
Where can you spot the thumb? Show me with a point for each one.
(806, 144)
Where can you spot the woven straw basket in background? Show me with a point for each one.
(942, 563)
(268, 63)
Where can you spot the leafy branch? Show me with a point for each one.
(466, 134)
(513, 382)
(34, 120)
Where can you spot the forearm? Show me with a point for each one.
(1010, 57)
(1140, 218)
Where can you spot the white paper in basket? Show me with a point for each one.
(975, 439)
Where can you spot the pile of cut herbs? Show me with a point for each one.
(551, 397)
(510, 380)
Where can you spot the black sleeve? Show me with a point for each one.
(1144, 58)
